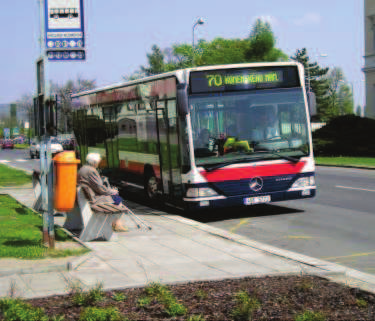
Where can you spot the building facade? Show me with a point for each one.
(369, 68)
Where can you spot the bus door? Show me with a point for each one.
(169, 150)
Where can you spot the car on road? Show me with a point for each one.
(7, 144)
(56, 147)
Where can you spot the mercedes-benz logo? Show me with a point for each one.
(256, 184)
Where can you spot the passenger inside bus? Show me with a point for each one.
(203, 139)
(265, 125)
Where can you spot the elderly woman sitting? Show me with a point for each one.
(100, 193)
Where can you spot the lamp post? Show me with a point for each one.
(308, 73)
(198, 22)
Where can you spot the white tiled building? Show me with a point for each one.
(369, 68)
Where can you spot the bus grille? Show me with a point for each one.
(242, 187)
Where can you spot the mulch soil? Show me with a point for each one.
(280, 298)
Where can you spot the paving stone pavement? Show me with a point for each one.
(175, 250)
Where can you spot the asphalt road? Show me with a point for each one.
(19, 158)
(337, 225)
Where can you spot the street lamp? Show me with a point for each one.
(198, 22)
(308, 73)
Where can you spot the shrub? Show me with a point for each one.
(165, 297)
(143, 301)
(347, 135)
(198, 317)
(17, 310)
(201, 294)
(118, 296)
(93, 296)
(245, 306)
(100, 314)
(310, 316)
(361, 303)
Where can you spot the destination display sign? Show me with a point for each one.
(243, 79)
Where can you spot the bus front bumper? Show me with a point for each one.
(192, 204)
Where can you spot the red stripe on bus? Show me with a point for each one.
(226, 174)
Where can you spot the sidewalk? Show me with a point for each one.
(175, 250)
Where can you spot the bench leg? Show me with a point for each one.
(99, 227)
(73, 219)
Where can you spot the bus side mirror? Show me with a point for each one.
(182, 99)
(311, 100)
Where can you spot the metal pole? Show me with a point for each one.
(192, 60)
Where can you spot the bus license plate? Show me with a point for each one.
(257, 200)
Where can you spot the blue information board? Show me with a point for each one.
(64, 30)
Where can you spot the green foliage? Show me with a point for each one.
(259, 46)
(91, 297)
(118, 296)
(346, 136)
(245, 306)
(201, 294)
(165, 297)
(361, 303)
(319, 83)
(100, 314)
(58, 318)
(198, 317)
(17, 310)
(310, 316)
(143, 301)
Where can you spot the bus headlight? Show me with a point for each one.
(200, 192)
(303, 182)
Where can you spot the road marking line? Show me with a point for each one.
(242, 222)
(356, 188)
(4, 161)
(21, 160)
(347, 256)
(299, 237)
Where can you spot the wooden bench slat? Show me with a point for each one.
(110, 208)
(99, 209)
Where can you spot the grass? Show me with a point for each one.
(346, 161)
(13, 177)
(245, 306)
(21, 146)
(21, 233)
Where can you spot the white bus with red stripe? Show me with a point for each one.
(204, 137)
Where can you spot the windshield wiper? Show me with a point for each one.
(217, 166)
(289, 158)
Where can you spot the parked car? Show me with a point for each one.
(56, 147)
(7, 144)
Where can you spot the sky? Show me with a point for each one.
(120, 33)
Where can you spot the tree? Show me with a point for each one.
(259, 46)
(340, 95)
(155, 61)
(315, 77)
(64, 92)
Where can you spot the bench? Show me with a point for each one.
(94, 221)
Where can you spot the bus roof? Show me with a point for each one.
(181, 72)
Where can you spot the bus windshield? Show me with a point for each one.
(249, 126)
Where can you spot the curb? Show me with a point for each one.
(346, 166)
(332, 271)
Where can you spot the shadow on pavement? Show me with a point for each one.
(209, 215)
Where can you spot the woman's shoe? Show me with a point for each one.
(119, 228)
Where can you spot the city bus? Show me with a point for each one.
(204, 137)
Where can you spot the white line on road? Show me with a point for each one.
(4, 161)
(21, 160)
(356, 188)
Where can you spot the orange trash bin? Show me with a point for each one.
(65, 181)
